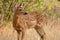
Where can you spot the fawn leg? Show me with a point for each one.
(18, 32)
(40, 31)
(23, 34)
(20, 35)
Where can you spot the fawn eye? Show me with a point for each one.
(25, 13)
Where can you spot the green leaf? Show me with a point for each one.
(25, 0)
(51, 1)
(7, 21)
(57, 15)
(19, 1)
(48, 7)
(6, 0)
(0, 5)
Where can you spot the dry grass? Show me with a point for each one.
(52, 30)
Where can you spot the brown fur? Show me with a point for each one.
(34, 19)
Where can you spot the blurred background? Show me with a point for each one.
(7, 7)
(50, 7)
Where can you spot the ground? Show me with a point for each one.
(8, 33)
(52, 32)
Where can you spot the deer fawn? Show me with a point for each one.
(23, 21)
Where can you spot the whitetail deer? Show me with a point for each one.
(23, 21)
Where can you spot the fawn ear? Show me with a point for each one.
(20, 6)
(15, 7)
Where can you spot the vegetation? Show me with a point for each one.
(7, 8)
